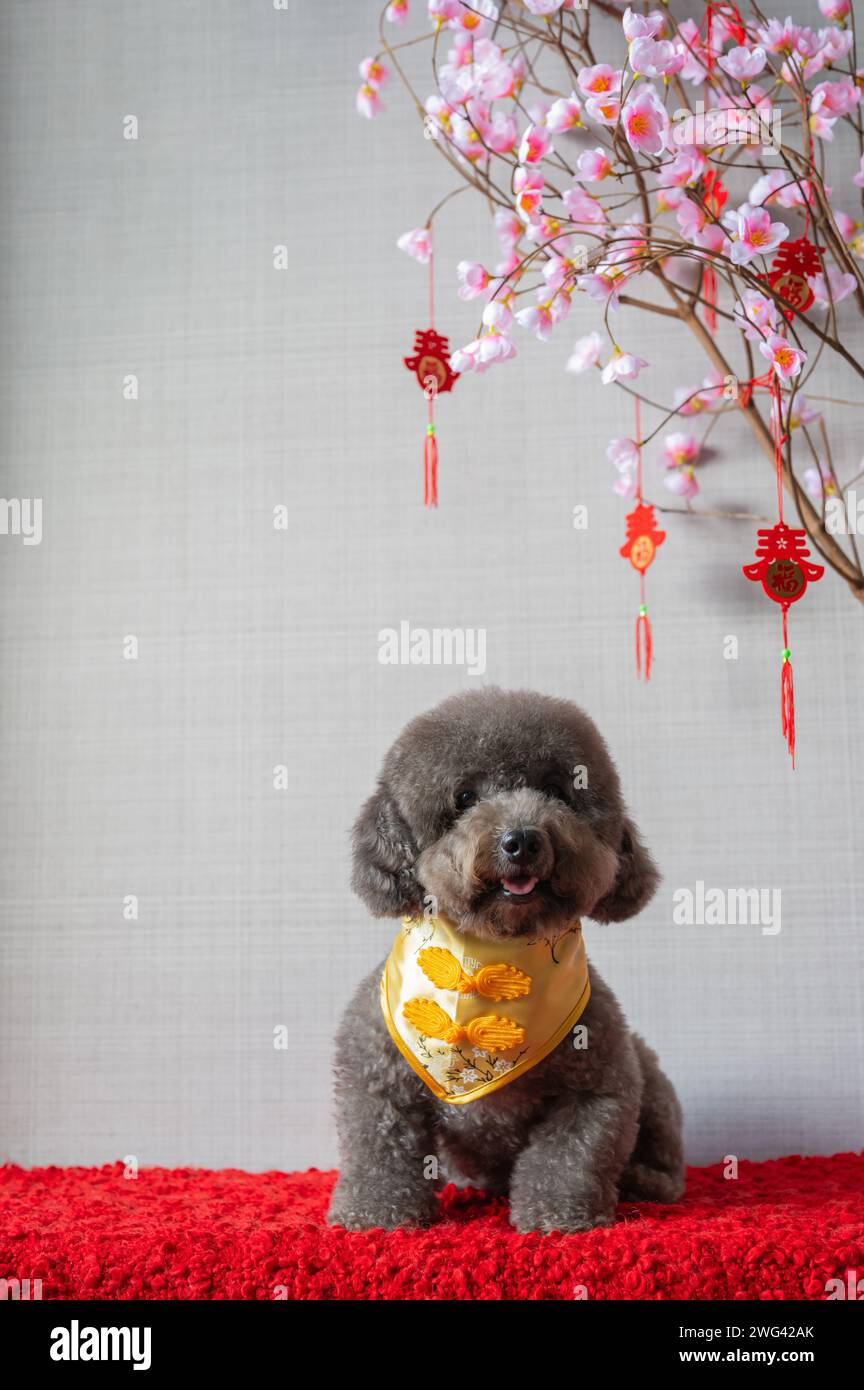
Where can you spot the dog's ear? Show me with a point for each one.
(635, 883)
(384, 855)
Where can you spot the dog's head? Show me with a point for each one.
(504, 807)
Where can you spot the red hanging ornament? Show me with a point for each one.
(430, 363)
(643, 537)
(640, 547)
(431, 359)
(783, 566)
(790, 270)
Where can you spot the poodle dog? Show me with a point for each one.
(502, 811)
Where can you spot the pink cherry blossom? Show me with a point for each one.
(624, 453)
(528, 189)
(483, 353)
(690, 401)
(836, 43)
(802, 412)
(743, 63)
(756, 315)
(536, 142)
(541, 318)
(560, 305)
(712, 238)
(538, 111)
(593, 165)
(439, 110)
(374, 73)
(537, 318)
(796, 193)
(564, 114)
(765, 188)
(625, 485)
(845, 225)
(501, 133)
(475, 279)
(586, 354)
(821, 125)
(544, 7)
(818, 483)
(492, 346)
(464, 359)
(646, 124)
(685, 168)
(779, 37)
(655, 58)
(669, 199)
(368, 101)
(599, 79)
(417, 243)
(558, 271)
(786, 359)
(464, 134)
(753, 233)
(690, 219)
(497, 316)
(442, 11)
(582, 208)
(604, 108)
(680, 448)
(834, 9)
(509, 265)
(476, 18)
(397, 11)
(682, 481)
(622, 366)
(839, 287)
(475, 70)
(603, 287)
(625, 247)
(807, 57)
(837, 98)
(508, 227)
(638, 26)
(543, 228)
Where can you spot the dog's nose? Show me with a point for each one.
(520, 844)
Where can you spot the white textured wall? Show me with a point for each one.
(259, 647)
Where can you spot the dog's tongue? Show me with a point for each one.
(519, 885)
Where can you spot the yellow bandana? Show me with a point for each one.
(470, 1015)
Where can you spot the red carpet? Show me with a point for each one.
(780, 1231)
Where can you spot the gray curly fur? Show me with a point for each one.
(581, 1130)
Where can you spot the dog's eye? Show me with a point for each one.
(555, 790)
(465, 798)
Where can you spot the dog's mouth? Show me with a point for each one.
(519, 888)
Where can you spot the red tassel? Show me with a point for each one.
(430, 468)
(787, 696)
(709, 294)
(643, 633)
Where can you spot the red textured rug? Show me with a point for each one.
(780, 1230)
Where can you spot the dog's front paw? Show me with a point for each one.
(566, 1216)
(364, 1206)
